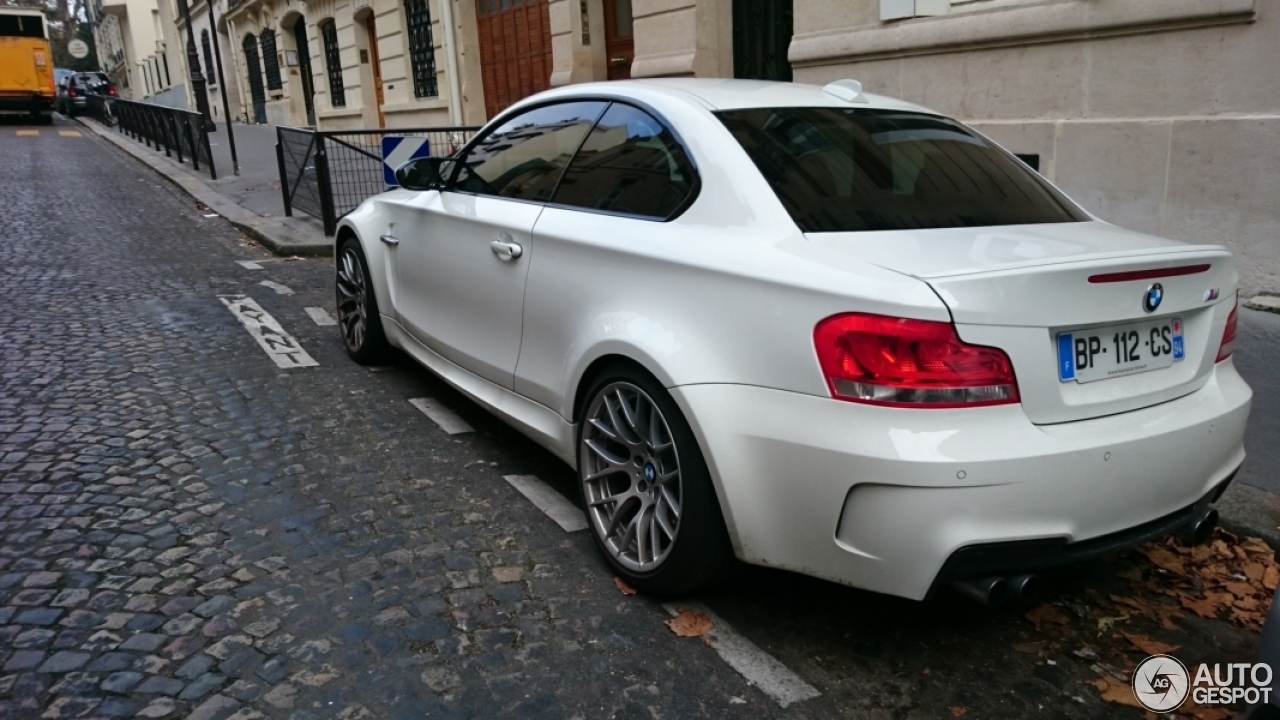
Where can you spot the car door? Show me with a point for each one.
(462, 255)
(595, 242)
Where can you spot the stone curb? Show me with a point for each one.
(281, 236)
(1265, 303)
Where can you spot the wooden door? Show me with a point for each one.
(619, 40)
(515, 50)
(376, 67)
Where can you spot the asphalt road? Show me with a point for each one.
(188, 529)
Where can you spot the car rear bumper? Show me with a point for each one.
(881, 498)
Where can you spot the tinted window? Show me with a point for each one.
(839, 170)
(21, 26)
(630, 164)
(523, 157)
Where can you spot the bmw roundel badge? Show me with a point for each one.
(1152, 299)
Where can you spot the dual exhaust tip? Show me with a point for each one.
(997, 590)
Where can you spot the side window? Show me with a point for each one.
(630, 164)
(523, 158)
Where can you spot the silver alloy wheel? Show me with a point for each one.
(630, 472)
(352, 300)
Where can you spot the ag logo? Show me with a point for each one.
(1161, 683)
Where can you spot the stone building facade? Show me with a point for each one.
(1158, 115)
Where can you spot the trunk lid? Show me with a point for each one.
(1018, 287)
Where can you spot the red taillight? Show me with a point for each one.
(910, 363)
(1229, 334)
(71, 92)
(111, 91)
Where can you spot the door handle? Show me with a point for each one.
(506, 251)
(618, 60)
(390, 239)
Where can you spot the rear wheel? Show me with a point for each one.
(650, 501)
(358, 317)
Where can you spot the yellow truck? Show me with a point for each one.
(26, 65)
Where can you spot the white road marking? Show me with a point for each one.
(757, 666)
(280, 289)
(278, 344)
(248, 265)
(566, 514)
(320, 316)
(447, 419)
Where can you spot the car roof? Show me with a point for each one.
(730, 94)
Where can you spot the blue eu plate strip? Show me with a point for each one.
(1067, 358)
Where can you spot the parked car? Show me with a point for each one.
(809, 328)
(75, 89)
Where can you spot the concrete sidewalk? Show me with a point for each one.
(250, 201)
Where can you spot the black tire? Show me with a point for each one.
(700, 554)
(357, 304)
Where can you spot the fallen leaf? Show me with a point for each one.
(1241, 590)
(1208, 606)
(1046, 614)
(1150, 646)
(1161, 557)
(1115, 691)
(1134, 574)
(688, 623)
(958, 711)
(623, 586)
(1257, 546)
(1271, 577)
(1105, 623)
(1030, 648)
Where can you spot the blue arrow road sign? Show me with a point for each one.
(397, 151)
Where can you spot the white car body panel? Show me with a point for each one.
(720, 303)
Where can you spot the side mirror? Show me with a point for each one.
(422, 174)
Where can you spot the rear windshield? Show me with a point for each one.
(21, 26)
(839, 170)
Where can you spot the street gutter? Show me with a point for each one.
(282, 236)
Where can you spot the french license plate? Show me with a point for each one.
(1107, 352)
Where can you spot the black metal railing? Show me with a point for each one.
(168, 129)
(326, 174)
(101, 108)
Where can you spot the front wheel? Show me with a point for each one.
(649, 498)
(358, 317)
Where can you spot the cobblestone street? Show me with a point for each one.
(188, 529)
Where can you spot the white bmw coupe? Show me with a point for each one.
(809, 328)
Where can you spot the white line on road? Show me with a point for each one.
(249, 265)
(320, 316)
(447, 419)
(280, 289)
(279, 345)
(757, 666)
(566, 514)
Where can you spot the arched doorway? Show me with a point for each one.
(304, 69)
(256, 90)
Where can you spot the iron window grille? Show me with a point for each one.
(422, 49)
(333, 64)
(208, 56)
(270, 59)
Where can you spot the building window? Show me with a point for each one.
(208, 56)
(270, 59)
(333, 63)
(164, 57)
(422, 49)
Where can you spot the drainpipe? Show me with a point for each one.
(451, 63)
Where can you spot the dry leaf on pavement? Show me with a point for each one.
(1150, 646)
(688, 623)
(623, 586)
(1115, 691)
(1045, 614)
(958, 711)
